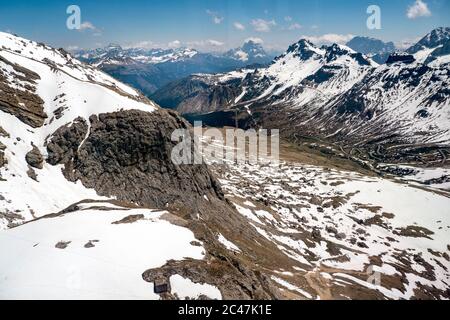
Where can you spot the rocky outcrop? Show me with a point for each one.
(3, 161)
(3, 133)
(32, 174)
(27, 106)
(234, 280)
(128, 155)
(34, 158)
(405, 58)
(2, 155)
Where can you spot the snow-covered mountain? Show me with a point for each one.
(150, 69)
(339, 95)
(319, 73)
(376, 49)
(436, 38)
(115, 54)
(435, 46)
(252, 52)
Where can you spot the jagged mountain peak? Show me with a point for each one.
(253, 47)
(434, 39)
(302, 44)
(438, 34)
(252, 51)
(303, 49)
(335, 51)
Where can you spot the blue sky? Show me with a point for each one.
(216, 25)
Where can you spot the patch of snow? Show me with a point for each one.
(228, 244)
(33, 268)
(185, 288)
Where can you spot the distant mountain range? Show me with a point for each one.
(336, 94)
(376, 49)
(149, 69)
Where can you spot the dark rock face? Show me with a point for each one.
(3, 160)
(2, 155)
(405, 58)
(128, 155)
(34, 158)
(381, 58)
(323, 74)
(27, 106)
(65, 141)
(32, 174)
(3, 133)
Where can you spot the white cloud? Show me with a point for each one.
(261, 25)
(206, 45)
(255, 40)
(89, 26)
(143, 44)
(314, 27)
(239, 26)
(216, 18)
(215, 43)
(72, 48)
(295, 26)
(288, 19)
(418, 9)
(174, 44)
(330, 38)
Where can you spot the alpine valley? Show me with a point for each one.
(395, 112)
